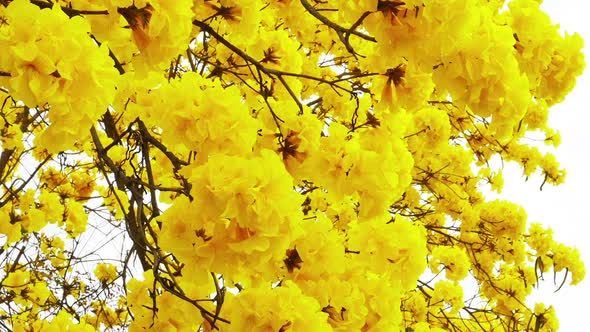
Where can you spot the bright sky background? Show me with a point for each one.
(566, 208)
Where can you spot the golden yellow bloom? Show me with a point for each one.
(52, 60)
(275, 309)
(105, 272)
(454, 260)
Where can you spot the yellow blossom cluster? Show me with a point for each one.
(52, 60)
(244, 208)
(105, 273)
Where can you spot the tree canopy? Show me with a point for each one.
(277, 165)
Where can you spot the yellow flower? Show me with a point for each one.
(539, 239)
(161, 30)
(105, 272)
(432, 127)
(12, 231)
(397, 248)
(282, 308)
(448, 292)
(503, 218)
(52, 60)
(454, 259)
(566, 257)
(17, 279)
(76, 218)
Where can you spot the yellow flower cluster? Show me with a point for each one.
(446, 292)
(281, 308)
(106, 273)
(455, 262)
(388, 248)
(160, 30)
(170, 314)
(201, 115)
(61, 322)
(51, 60)
(244, 208)
(550, 61)
(363, 167)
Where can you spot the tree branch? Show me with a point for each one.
(69, 11)
(343, 33)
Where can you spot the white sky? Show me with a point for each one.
(564, 208)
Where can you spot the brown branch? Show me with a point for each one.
(13, 193)
(342, 32)
(4, 158)
(335, 26)
(269, 71)
(123, 182)
(145, 149)
(69, 11)
(176, 162)
(112, 55)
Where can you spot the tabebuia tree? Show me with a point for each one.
(277, 165)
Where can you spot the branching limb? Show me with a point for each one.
(343, 33)
(67, 10)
